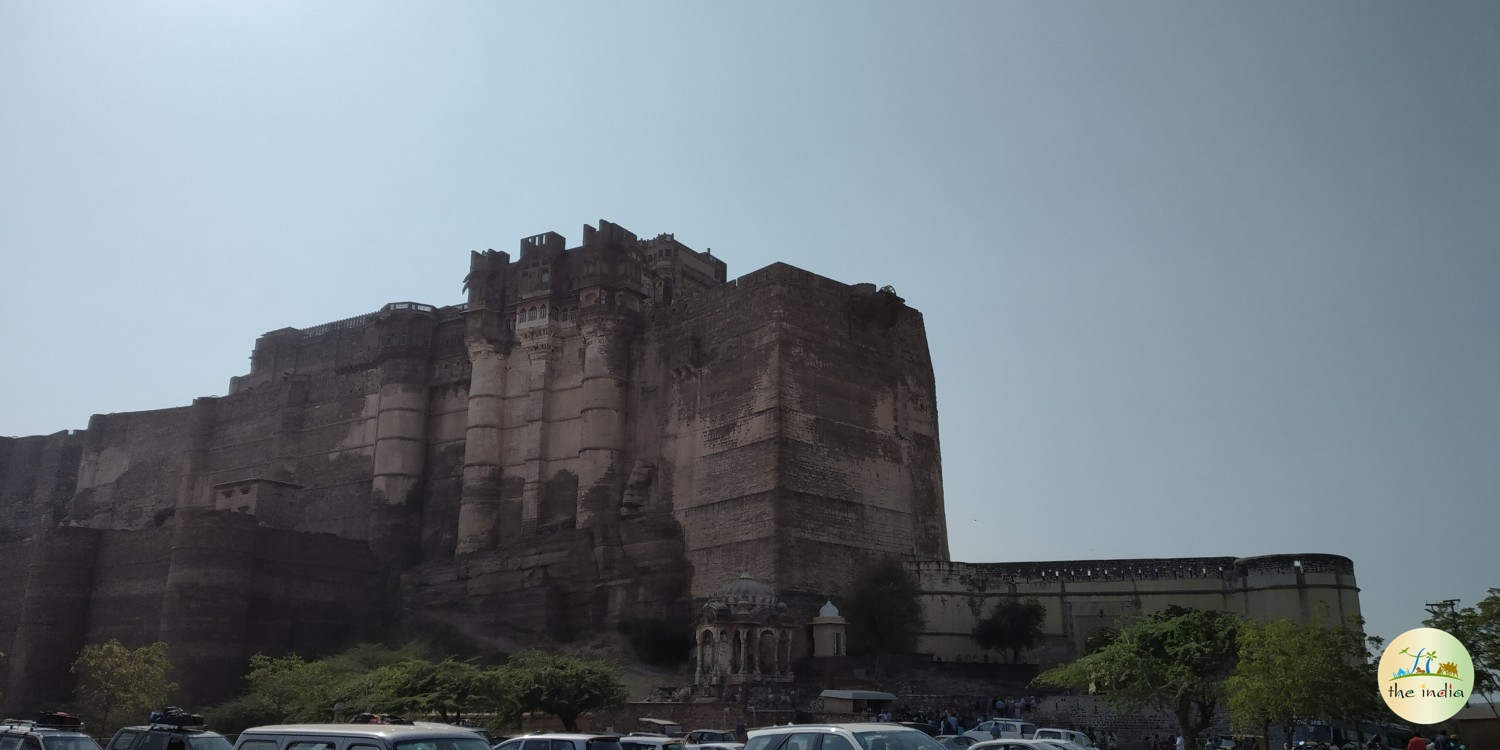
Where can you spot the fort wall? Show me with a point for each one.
(1087, 597)
(211, 584)
(611, 429)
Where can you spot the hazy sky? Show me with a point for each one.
(1199, 278)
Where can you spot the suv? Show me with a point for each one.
(840, 737)
(52, 732)
(172, 735)
(562, 741)
(643, 741)
(716, 739)
(358, 737)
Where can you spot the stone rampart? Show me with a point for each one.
(1084, 597)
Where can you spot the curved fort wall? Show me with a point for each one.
(1084, 597)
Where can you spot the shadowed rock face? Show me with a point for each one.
(609, 428)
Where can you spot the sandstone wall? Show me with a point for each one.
(38, 476)
(1084, 597)
(210, 584)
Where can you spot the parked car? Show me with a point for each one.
(955, 741)
(481, 731)
(840, 737)
(1024, 744)
(644, 741)
(1010, 729)
(1067, 735)
(178, 731)
(562, 741)
(930, 729)
(359, 737)
(48, 732)
(713, 739)
(720, 738)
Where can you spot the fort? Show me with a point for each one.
(611, 428)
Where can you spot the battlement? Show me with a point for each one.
(544, 244)
(1241, 571)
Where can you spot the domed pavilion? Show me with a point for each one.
(744, 635)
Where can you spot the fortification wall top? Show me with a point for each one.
(1092, 571)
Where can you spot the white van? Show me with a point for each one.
(1066, 735)
(359, 737)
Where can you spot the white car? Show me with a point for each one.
(713, 739)
(1022, 744)
(840, 737)
(1010, 729)
(1064, 735)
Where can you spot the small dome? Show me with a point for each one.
(747, 589)
(828, 610)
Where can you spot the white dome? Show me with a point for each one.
(828, 610)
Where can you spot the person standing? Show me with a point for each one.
(1181, 743)
(1416, 742)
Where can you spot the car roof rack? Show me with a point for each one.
(173, 717)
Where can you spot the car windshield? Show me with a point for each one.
(445, 743)
(896, 739)
(1316, 733)
(70, 742)
(210, 742)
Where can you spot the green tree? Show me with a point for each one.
(1011, 628)
(884, 610)
(1290, 671)
(115, 680)
(448, 687)
(363, 679)
(564, 686)
(1478, 629)
(1176, 660)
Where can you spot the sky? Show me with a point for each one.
(1215, 279)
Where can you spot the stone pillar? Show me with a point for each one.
(401, 412)
(206, 601)
(479, 502)
(400, 454)
(488, 338)
(602, 434)
(541, 350)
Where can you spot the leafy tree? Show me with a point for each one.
(1478, 629)
(1288, 671)
(1176, 660)
(363, 679)
(884, 610)
(564, 686)
(113, 679)
(450, 686)
(1012, 627)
